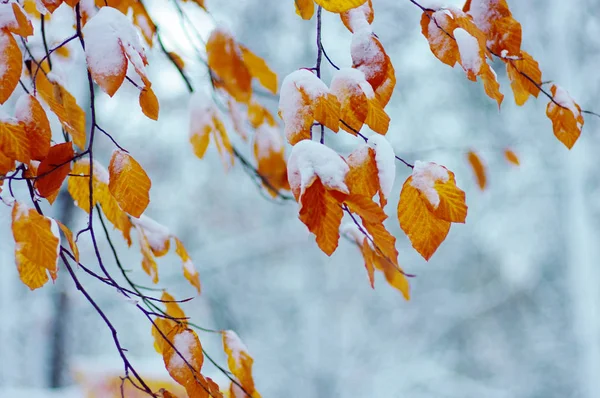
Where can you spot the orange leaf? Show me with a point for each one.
(64, 106)
(268, 148)
(566, 116)
(11, 64)
(69, 235)
(129, 183)
(478, 169)
(356, 18)
(436, 27)
(159, 236)
(15, 20)
(519, 72)
(316, 175)
(339, 6)
(37, 245)
(172, 308)
(452, 205)
(29, 111)
(305, 98)
(54, 169)
(226, 62)
(259, 69)
(183, 359)
(384, 92)
(394, 275)
(305, 8)
(15, 144)
(511, 157)
(148, 262)
(494, 18)
(425, 231)
(257, 115)
(149, 103)
(239, 361)
(189, 270)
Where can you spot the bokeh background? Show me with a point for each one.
(507, 307)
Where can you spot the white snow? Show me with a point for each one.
(184, 343)
(386, 162)
(7, 15)
(157, 234)
(470, 52)
(22, 210)
(483, 13)
(267, 140)
(424, 177)
(292, 106)
(23, 108)
(120, 160)
(188, 266)
(353, 80)
(202, 110)
(351, 230)
(310, 160)
(235, 344)
(100, 172)
(357, 17)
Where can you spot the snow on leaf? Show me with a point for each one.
(239, 361)
(148, 262)
(494, 19)
(53, 170)
(316, 174)
(424, 230)
(358, 102)
(158, 235)
(339, 6)
(304, 98)
(565, 114)
(11, 65)
(358, 18)
(363, 174)
(129, 183)
(36, 246)
(268, 148)
(520, 71)
(29, 111)
(478, 169)
(369, 57)
(429, 202)
(189, 270)
(384, 92)
(386, 164)
(305, 8)
(111, 41)
(14, 19)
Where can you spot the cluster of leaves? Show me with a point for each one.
(328, 186)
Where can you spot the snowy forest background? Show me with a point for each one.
(507, 307)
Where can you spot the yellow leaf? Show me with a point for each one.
(259, 69)
(305, 8)
(14, 141)
(239, 361)
(78, 186)
(69, 235)
(37, 244)
(189, 270)
(519, 72)
(148, 262)
(425, 231)
(356, 18)
(339, 6)
(128, 183)
(478, 169)
(268, 149)
(566, 116)
(173, 309)
(149, 103)
(11, 64)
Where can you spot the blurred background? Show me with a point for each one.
(507, 307)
